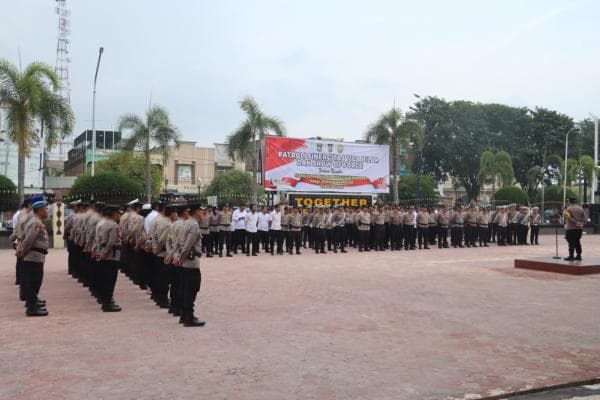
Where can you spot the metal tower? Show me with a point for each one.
(62, 49)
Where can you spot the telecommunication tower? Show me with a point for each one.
(62, 49)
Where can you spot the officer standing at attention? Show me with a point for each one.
(318, 223)
(107, 257)
(423, 228)
(160, 232)
(214, 219)
(187, 260)
(574, 222)
(295, 221)
(443, 221)
(264, 219)
(275, 232)
(457, 221)
(205, 231)
(32, 250)
(225, 231)
(252, 230)
(363, 222)
(339, 230)
(536, 220)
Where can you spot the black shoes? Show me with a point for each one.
(193, 321)
(36, 312)
(111, 307)
(570, 258)
(578, 258)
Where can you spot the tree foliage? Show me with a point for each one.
(393, 129)
(494, 167)
(552, 194)
(458, 132)
(243, 143)
(32, 101)
(104, 182)
(154, 134)
(132, 166)
(6, 183)
(232, 185)
(511, 194)
(407, 188)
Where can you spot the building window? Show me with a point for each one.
(184, 173)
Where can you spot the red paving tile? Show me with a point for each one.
(435, 324)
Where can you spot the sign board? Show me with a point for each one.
(212, 201)
(308, 165)
(328, 200)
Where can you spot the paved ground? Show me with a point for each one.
(437, 324)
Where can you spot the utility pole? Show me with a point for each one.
(595, 174)
(94, 114)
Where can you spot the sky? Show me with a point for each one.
(325, 68)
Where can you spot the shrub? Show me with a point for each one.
(511, 194)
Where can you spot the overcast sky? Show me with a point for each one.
(326, 68)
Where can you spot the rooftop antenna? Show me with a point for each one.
(62, 49)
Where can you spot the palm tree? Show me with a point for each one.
(496, 166)
(31, 98)
(394, 130)
(242, 144)
(155, 134)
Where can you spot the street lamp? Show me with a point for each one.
(565, 175)
(94, 113)
(595, 175)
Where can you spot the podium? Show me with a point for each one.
(585, 267)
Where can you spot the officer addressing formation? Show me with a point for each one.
(158, 247)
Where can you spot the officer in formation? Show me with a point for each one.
(31, 248)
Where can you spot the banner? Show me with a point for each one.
(307, 165)
(328, 200)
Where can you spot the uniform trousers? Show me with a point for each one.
(339, 233)
(252, 239)
(573, 237)
(423, 235)
(534, 234)
(19, 269)
(329, 236)
(379, 232)
(224, 240)
(107, 271)
(432, 233)
(493, 232)
(32, 276)
(239, 240)
(162, 282)
(206, 243)
(396, 236)
(457, 236)
(276, 237)
(470, 235)
(442, 235)
(191, 279)
(484, 234)
(295, 240)
(319, 240)
(263, 237)
(522, 233)
(363, 239)
(305, 235)
(214, 242)
(501, 235)
(409, 237)
(176, 290)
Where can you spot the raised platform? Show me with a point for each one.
(548, 264)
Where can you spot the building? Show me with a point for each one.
(190, 168)
(79, 158)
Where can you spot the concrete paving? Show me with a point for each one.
(431, 324)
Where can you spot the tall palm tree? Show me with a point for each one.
(31, 98)
(494, 166)
(243, 143)
(154, 134)
(394, 130)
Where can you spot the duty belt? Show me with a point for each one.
(224, 225)
(37, 249)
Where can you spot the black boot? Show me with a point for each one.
(191, 320)
(35, 311)
(110, 306)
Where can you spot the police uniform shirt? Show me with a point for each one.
(188, 241)
(159, 236)
(35, 236)
(458, 219)
(576, 217)
(295, 222)
(471, 218)
(318, 220)
(110, 242)
(214, 219)
(483, 219)
(501, 219)
(171, 243)
(443, 219)
(423, 219)
(225, 218)
(204, 224)
(536, 219)
(364, 221)
(339, 218)
(22, 221)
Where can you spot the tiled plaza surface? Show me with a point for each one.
(436, 324)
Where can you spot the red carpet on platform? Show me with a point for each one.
(548, 264)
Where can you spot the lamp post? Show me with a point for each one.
(565, 173)
(94, 113)
(595, 175)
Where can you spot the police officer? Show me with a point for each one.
(214, 226)
(483, 230)
(108, 257)
(470, 227)
(32, 251)
(363, 222)
(423, 228)
(409, 222)
(501, 222)
(574, 222)
(295, 233)
(318, 223)
(186, 260)
(160, 234)
(443, 222)
(204, 225)
(536, 221)
(174, 237)
(457, 223)
(225, 220)
(339, 228)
